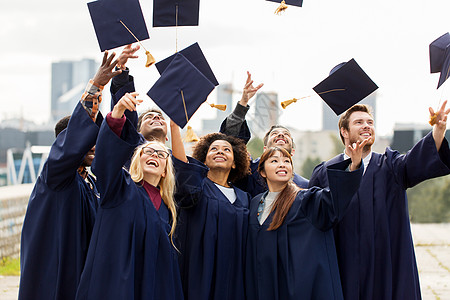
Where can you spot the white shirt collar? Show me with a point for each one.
(366, 160)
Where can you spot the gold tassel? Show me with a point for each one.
(432, 120)
(221, 107)
(288, 102)
(190, 136)
(150, 59)
(281, 8)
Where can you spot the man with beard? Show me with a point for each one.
(62, 207)
(150, 123)
(236, 125)
(373, 241)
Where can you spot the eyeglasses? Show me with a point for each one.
(160, 153)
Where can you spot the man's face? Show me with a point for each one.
(280, 137)
(154, 126)
(87, 161)
(361, 126)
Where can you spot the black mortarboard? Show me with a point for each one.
(194, 54)
(181, 89)
(345, 86)
(290, 2)
(111, 18)
(175, 13)
(440, 57)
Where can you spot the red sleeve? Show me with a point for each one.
(116, 125)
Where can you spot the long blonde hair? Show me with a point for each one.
(166, 184)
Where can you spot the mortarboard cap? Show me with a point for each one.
(175, 13)
(290, 2)
(180, 90)
(111, 33)
(440, 57)
(194, 54)
(346, 85)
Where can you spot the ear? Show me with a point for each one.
(264, 148)
(263, 174)
(344, 133)
(292, 151)
(233, 166)
(163, 175)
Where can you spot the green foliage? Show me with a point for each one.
(429, 202)
(256, 147)
(309, 165)
(9, 266)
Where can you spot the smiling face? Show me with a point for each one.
(277, 169)
(153, 161)
(280, 137)
(153, 126)
(220, 155)
(87, 161)
(360, 127)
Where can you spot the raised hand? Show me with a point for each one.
(440, 123)
(249, 90)
(355, 152)
(127, 53)
(128, 101)
(105, 71)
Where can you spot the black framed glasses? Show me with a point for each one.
(160, 153)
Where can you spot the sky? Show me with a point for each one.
(290, 53)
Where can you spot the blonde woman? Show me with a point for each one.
(131, 255)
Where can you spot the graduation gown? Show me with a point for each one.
(298, 259)
(373, 241)
(131, 255)
(60, 216)
(211, 234)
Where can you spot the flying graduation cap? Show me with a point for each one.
(185, 83)
(346, 85)
(440, 57)
(118, 23)
(175, 13)
(284, 4)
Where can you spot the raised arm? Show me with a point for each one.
(177, 143)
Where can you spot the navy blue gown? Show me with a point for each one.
(373, 241)
(211, 234)
(130, 255)
(298, 259)
(60, 216)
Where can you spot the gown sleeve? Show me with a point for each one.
(120, 85)
(326, 207)
(189, 181)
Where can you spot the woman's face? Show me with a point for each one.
(153, 160)
(220, 155)
(277, 168)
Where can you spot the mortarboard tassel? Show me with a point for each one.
(190, 136)
(281, 8)
(221, 107)
(284, 104)
(150, 59)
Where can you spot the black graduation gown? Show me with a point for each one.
(60, 216)
(373, 241)
(298, 259)
(211, 234)
(131, 255)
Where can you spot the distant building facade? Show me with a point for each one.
(407, 135)
(224, 96)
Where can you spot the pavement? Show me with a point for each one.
(432, 245)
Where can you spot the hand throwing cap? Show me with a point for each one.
(181, 89)
(346, 85)
(175, 13)
(440, 57)
(111, 18)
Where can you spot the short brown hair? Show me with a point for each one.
(266, 137)
(241, 160)
(345, 117)
(61, 125)
(141, 116)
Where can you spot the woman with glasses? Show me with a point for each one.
(131, 255)
(213, 216)
(290, 247)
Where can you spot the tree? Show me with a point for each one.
(256, 147)
(309, 165)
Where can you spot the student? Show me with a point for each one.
(132, 255)
(62, 207)
(373, 242)
(290, 248)
(213, 216)
(278, 135)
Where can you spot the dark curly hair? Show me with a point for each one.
(61, 125)
(241, 158)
